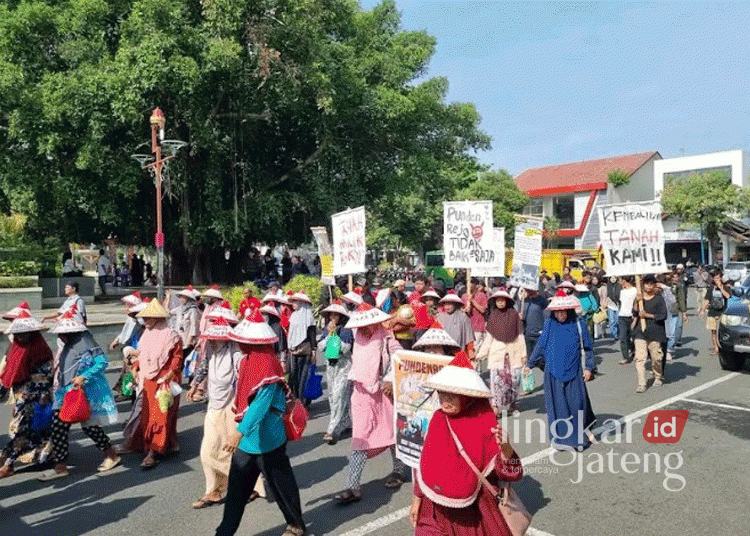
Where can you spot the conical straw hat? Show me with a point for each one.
(253, 330)
(24, 323)
(436, 336)
(336, 307)
(217, 331)
(154, 309)
(562, 301)
(67, 322)
(132, 299)
(13, 313)
(459, 377)
(452, 297)
(224, 311)
(213, 292)
(366, 315)
(269, 309)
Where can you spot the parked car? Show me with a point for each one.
(736, 271)
(734, 332)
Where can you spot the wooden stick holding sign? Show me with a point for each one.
(639, 286)
(351, 283)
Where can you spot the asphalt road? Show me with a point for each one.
(605, 500)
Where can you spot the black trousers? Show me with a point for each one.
(626, 337)
(298, 373)
(60, 442)
(243, 473)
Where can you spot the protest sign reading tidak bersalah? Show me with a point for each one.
(632, 236)
(467, 234)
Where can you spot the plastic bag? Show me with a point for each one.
(528, 382)
(333, 347)
(313, 388)
(164, 398)
(42, 417)
(128, 384)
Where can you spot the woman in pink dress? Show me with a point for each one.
(372, 406)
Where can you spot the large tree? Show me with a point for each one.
(292, 109)
(705, 199)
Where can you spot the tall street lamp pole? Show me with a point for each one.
(157, 133)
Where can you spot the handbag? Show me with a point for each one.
(303, 348)
(508, 502)
(600, 316)
(528, 382)
(295, 419)
(75, 408)
(314, 386)
(42, 417)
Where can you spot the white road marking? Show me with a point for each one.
(725, 406)
(398, 515)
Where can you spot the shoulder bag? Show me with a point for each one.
(510, 504)
(75, 408)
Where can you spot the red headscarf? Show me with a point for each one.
(259, 367)
(22, 358)
(444, 476)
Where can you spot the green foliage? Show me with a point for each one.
(706, 199)
(17, 282)
(15, 267)
(507, 200)
(235, 295)
(311, 285)
(618, 177)
(293, 109)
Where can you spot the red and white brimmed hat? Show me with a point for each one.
(452, 297)
(459, 377)
(567, 284)
(253, 330)
(430, 294)
(223, 311)
(24, 323)
(300, 296)
(269, 309)
(132, 299)
(354, 296)
(213, 292)
(501, 293)
(153, 309)
(16, 311)
(382, 296)
(189, 292)
(562, 301)
(217, 331)
(436, 336)
(138, 307)
(271, 296)
(336, 307)
(67, 323)
(366, 315)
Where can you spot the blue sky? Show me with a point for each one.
(559, 82)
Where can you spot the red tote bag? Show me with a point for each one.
(295, 420)
(75, 408)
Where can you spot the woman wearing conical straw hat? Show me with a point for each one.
(372, 407)
(81, 365)
(159, 366)
(449, 496)
(336, 347)
(220, 370)
(27, 370)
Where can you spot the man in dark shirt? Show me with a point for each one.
(533, 316)
(652, 308)
(714, 303)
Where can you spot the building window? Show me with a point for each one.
(535, 207)
(688, 173)
(563, 208)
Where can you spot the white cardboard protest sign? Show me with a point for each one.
(349, 246)
(527, 252)
(632, 236)
(498, 245)
(325, 252)
(467, 234)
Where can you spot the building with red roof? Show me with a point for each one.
(571, 193)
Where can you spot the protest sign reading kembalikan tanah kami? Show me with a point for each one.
(632, 237)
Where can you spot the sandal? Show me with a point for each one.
(205, 501)
(294, 531)
(51, 474)
(254, 495)
(6, 471)
(149, 462)
(109, 464)
(640, 389)
(331, 439)
(394, 481)
(624, 362)
(348, 496)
